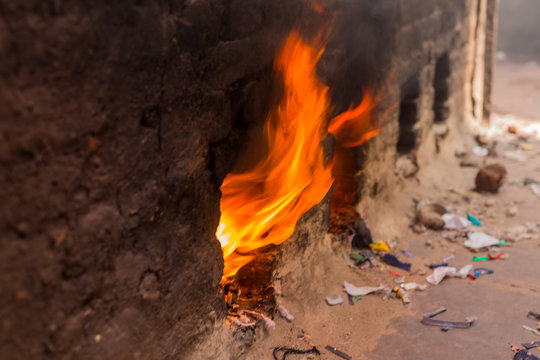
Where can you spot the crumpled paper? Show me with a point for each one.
(478, 240)
(439, 274)
(362, 290)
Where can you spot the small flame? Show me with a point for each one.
(355, 126)
(261, 206)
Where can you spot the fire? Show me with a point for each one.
(261, 206)
(355, 126)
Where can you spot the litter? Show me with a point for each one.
(474, 220)
(482, 271)
(448, 258)
(489, 257)
(434, 266)
(535, 331)
(395, 273)
(379, 246)
(287, 351)
(269, 324)
(534, 315)
(358, 257)
(446, 325)
(284, 312)
(362, 290)
(479, 151)
(531, 345)
(520, 232)
(479, 240)
(523, 355)
(354, 299)
(439, 274)
(464, 271)
(455, 222)
(413, 286)
(402, 294)
(535, 189)
(406, 253)
(528, 181)
(338, 353)
(334, 301)
(394, 261)
(526, 146)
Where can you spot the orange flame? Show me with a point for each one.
(261, 206)
(355, 126)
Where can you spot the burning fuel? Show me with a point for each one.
(261, 206)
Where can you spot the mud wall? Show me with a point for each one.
(119, 122)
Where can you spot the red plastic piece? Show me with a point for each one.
(395, 273)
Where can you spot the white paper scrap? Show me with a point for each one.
(362, 290)
(336, 301)
(478, 240)
(455, 222)
(439, 274)
(462, 273)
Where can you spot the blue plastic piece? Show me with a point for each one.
(474, 220)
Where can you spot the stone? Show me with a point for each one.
(490, 178)
(430, 215)
(512, 211)
(406, 166)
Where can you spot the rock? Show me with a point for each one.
(490, 178)
(430, 215)
(512, 211)
(406, 166)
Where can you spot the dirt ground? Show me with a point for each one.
(378, 328)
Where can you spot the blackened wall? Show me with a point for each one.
(118, 123)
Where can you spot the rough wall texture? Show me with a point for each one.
(111, 113)
(119, 121)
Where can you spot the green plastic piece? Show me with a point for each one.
(359, 257)
(480, 258)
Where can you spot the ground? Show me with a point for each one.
(377, 328)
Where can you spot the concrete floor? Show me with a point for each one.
(499, 301)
